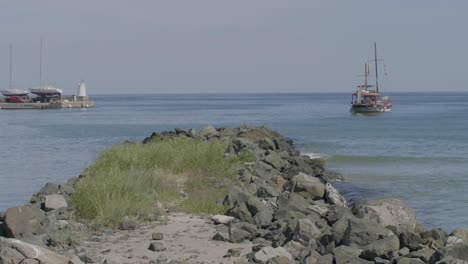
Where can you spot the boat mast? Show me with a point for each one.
(365, 76)
(11, 65)
(40, 64)
(376, 74)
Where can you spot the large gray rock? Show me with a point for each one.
(25, 221)
(16, 251)
(362, 232)
(267, 253)
(422, 254)
(457, 251)
(208, 132)
(308, 186)
(274, 160)
(389, 212)
(53, 202)
(343, 254)
(383, 248)
(306, 230)
(461, 234)
(410, 240)
(332, 196)
(238, 232)
(261, 213)
(410, 261)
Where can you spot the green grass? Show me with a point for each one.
(130, 179)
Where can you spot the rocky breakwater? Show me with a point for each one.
(282, 202)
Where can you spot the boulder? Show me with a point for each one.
(267, 253)
(156, 246)
(410, 261)
(16, 251)
(389, 212)
(410, 240)
(274, 160)
(422, 254)
(461, 234)
(362, 232)
(238, 232)
(221, 219)
(308, 186)
(383, 248)
(280, 260)
(53, 202)
(457, 251)
(208, 132)
(344, 253)
(25, 221)
(332, 196)
(306, 231)
(434, 238)
(262, 214)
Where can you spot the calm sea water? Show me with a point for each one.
(418, 152)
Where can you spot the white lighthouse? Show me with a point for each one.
(82, 89)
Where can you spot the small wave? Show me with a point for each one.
(400, 159)
(314, 155)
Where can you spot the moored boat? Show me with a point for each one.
(46, 91)
(366, 99)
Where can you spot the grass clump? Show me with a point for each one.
(129, 179)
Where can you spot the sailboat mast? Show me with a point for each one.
(11, 65)
(376, 72)
(365, 76)
(40, 64)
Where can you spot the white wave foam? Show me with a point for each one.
(314, 155)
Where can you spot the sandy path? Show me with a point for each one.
(186, 238)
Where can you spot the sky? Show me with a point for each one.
(234, 46)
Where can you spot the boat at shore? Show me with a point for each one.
(366, 99)
(13, 91)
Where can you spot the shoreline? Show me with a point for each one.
(285, 205)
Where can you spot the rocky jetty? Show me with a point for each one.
(283, 205)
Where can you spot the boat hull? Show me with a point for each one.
(356, 108)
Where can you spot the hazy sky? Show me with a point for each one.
(234, 46)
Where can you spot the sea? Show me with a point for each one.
(418, 152)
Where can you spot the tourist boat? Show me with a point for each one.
(13, 91)
(366, 99)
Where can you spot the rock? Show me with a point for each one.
(221, 219)
(294, 248)
(410, 240)
(267, 253)
(389, 212)
(378, 260)
(403, 251)
(157, 236)
(53, 202)
(410, 261)
(292, 202)
(234, 252)
(222, 233)
(306, 231)
(461, 234)
(332, 196)
(382, 248)
(423, 254)
(452, 240)
(238, 232)
(274, 160)
(344, 253)
(434, 238)
(262, 214)
(458, 251)
(308, 186)
(16, 251)
(325, 259)
(88, 258)
(208, 132)
(157, 246)
(266, 144)
(128, 224)
(25, 221)
(362, 232)
(280, 260)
